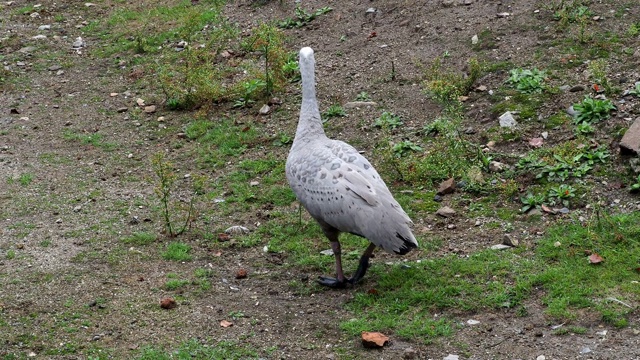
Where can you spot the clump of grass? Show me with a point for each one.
(177, 251)
(334, 110)
(446, 86)
(140, 238)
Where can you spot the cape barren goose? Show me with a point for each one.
(340, 188)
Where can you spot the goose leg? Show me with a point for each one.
(339, 281)
(363, 265)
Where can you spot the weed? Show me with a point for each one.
(334, 110)
(291, 70)
(532, 201)
(166, 180)
(527, 81)
(445, 86)
(388, 121)
(25, 179)
(561, 194)
(592, 110)
(402, 148)
(251, 90)
(177, 251)
(585, 128)
(268, 41)
(198, 349)
(11, 254)
(94, 139)
(302, 17)
(175, 284)
(636, 90)
(363, 96)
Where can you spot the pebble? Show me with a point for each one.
(585, 350)
(541, 357)
(254, 183)
(359, 104)
(237, 229)
(509, 241)
(576, 88)
(44, 27)
(451, 357)
(507, 120)
(79, 43)
(39, 37)
(571, 111)
(496, 166)
(264, 110)
(499, 247)
(473, 322)
(122, 109)
(150, 109)
(446, 212)
(474, 39)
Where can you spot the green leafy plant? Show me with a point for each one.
(561, 194)
(269, 41)
(166, 180)
(302, 17)
(636, 90)
(592, 110)
(532, 201)
(585, 128)
(363, 96)
(251, 89)
(334, 110)
(527, 81)
(402, 148)
(388, 120)
(635, 187)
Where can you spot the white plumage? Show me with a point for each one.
(340, 188)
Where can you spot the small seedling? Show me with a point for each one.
(404, 147)
(562, 194)
(363, 96)
(334, 110)
(291, 70)
(585, 129)
(527, 81)
(592, 110)
(532, 201)
(166, 180)
(388, 120)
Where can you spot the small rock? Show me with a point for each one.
(44, 27)
(496, 166)
(54, 67)
(77, 208)
(541, 357)
(585, 350)
(374, 339)
(370, 10)
(113, 94)
(630, 143)
(222, 237)
(509, 241)
(168, 303)
(254, 183)
(447, 187)
(60, 72)
(474, 39)
(160, 119)
(451, 226)
(58, 221)
(241, 274)
(237, 229)
(27, 49)
(481, 88)
(328, 252)
(470, 130)
(359, 104)
(507, 120)
(544, 135)
(437, 198)
(571, 111)
(557, 244)
(89, 4)
(140, 102)
(264, 110)
(122, 109)
(473, 322)
(491, 144)
(446, 212)
(500, 247)
(451, 357)
(577, 88)
(79, 43)
(536, 142)
(409, 353)
(39, 37)
(502, 14)
(150, 109)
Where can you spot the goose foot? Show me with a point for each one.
(341, 284)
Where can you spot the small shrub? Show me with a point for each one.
(334, 110)
(302, 17)
(527, 81)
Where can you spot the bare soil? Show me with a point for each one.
(64, 226)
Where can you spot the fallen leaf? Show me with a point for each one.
(638, 270)
(374, 339)
(241, 274)
(168, 303)
(223, 237)
(595, 258)
(225, 323)
(536, 142)
(547, 209)
(372, 292)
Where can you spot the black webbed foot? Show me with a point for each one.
(332, 282)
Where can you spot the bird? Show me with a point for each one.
(340, 188)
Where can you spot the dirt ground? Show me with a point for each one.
(82, 193)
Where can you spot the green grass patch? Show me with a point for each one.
(177, 251)
(198, 350)
(140, 238)
(95, 139)
(406, 295)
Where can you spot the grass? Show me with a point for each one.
(559, 270)
(198, 349)
(177, 251)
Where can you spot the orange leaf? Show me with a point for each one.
(374, 339)
(595, 258)
(225, 323)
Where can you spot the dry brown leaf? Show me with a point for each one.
(168, 303)
(595, 258)
(225, 323)
(374, 339)
(241, 274)
(223, 237)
